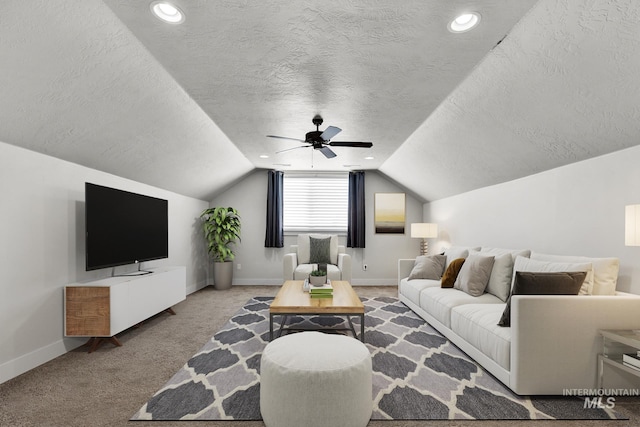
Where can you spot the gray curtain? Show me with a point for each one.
(356, 222)
(274, 236)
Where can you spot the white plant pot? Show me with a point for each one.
(317, 280)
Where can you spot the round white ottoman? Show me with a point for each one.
(311, 379)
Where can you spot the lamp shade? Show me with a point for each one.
(631, 225)
(424, 230)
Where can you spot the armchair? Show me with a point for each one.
(313, 249)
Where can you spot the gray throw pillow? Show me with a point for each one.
(535, 283)
(474, 274)
(320, 250)
(428, 267)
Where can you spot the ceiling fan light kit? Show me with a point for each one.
(321, 140)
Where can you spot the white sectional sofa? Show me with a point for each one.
(553, 341)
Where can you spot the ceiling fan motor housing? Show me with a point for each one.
(313, 137)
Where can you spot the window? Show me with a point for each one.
(316, 202)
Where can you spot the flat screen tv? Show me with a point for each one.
(124, 228)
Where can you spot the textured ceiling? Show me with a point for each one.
(187, 108)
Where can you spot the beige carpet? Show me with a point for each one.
(107, 387)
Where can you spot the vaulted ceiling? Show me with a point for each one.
(537, 85)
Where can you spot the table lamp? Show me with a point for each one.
(632, 225)
(424, 231)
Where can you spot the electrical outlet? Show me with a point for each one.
(239, 267)
(364, 267)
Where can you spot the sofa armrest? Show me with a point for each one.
(344, 264)
(555, 339)
(404, 268)
(289, 264)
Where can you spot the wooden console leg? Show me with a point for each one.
(95, 342)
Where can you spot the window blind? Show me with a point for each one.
(315, 202)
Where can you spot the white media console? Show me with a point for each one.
(103, 308)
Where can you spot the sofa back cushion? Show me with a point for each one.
(304, 247)
(601, 281)
(538, 266)
(455, 252)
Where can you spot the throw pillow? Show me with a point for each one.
(534, 265)
(319, 250)
(532, 283)
(428, 267)
(474, 274)
(451, 274)
(500, 279)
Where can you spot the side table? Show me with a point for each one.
(614, 344)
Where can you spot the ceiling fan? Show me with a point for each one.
(321, 140)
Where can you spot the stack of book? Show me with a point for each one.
(631, 360)
(324, 291)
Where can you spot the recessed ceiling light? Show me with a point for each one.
(167, 12)
(464, 22)
(369, 158)
(264, 156)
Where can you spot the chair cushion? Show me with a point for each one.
(302, 271)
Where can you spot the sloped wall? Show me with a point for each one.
(573, 210)
(42, 250)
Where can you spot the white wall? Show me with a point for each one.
(262, 265)
(573, 210)
(42, 250)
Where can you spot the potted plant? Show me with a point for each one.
(318, 277)
(221, 231)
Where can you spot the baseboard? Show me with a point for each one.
(35, 358)
(196, 286)
(354, 282)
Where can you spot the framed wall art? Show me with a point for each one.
(389, 213)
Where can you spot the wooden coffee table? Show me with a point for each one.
(292, 300)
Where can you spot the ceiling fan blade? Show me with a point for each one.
(285, 137)
(328, 153)
(351, 144)
(294, 148)
(330, 132)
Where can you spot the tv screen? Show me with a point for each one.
(123, 227)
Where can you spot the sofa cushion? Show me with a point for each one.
(502, 273)
(534, 283)
(474, 274)
(534, 265)
(605, 272)
(412, 289)
(477, 324)
(438, 302)
(451, 274)
(428, 267)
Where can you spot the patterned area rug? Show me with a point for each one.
(417, 374)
